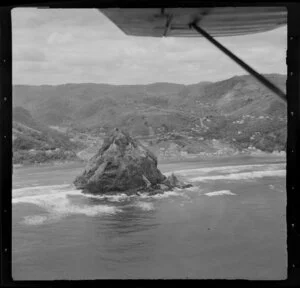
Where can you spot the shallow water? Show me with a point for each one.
(231, 224)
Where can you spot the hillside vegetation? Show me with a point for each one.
(36, 143)
(233, 115)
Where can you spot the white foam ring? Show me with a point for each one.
(57, 203)
(241, 176)
(112, 198)
(219, 193)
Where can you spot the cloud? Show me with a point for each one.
(55, 46)
(59, 38)
(28, 55)
(37, 17)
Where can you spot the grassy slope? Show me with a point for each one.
(35, 142)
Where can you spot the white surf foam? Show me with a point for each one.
(124, 197)
(57, 203)
(166, 194)
(218, 193)
(145, 206)
(38, 190)
(277, 188)
(34, 220)
(193, 189)
(241, 176)
(228, 169)
(112, 198)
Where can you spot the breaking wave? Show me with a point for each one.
(218, 193)
(38, 190)
(56, 201)
(120, 197)
(145, 206)
(241, 176)
(59, 201)
(34, 220)
(166, 194)
(228, 169)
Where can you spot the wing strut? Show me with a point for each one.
(255, 74)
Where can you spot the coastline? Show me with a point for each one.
(188, 159)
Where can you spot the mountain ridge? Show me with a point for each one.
(147, 84)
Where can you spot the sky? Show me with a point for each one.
(58, 46)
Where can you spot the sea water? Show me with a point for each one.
(230, 225)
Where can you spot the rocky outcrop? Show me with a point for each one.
(123, 164)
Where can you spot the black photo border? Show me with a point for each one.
(293, 151)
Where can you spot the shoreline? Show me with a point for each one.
(47, 164)
(192, 158)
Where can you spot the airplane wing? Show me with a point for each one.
(202, 22)
(175, 22)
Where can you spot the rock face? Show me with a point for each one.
(123, 164)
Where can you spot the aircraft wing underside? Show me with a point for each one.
(175, 22)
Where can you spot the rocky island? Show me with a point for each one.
(123, 164)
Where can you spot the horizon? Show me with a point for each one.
(60, 46)
(152, 83)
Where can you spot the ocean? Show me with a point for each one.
(230, 225)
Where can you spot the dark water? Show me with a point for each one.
(230, 225)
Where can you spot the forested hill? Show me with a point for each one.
(239, 111)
